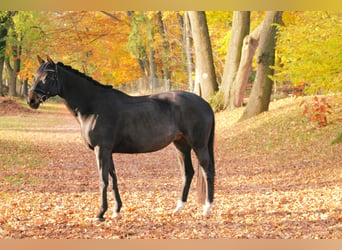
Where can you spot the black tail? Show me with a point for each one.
(202, 176)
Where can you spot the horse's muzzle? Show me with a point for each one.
(33, 100)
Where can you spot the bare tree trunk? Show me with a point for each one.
(240, 28)
(186, 39)
(188, 46)
(250, 44)
(205, 70)
(261, 92)
(153, 70)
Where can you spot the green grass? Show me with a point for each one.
(338, 139)
(14, 153)
(20, 122)
(21, 136)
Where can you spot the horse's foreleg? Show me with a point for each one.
(118, 202)
(184, 158)
(103, 158)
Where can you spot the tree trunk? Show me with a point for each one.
(152, 70)
(13, 71)
(165, 48)
(250, 44)
(12, 82)
(240, 28)
(5, 24)
(24, 91)
(184, 23)
(2, 63)
(205, 70)
(188, 54)
(262, 87)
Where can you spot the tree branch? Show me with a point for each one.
(111, 15)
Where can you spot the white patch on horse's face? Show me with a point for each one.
(40, 77)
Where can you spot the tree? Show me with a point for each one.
(240, 29)
(205, 71)
(16, 49)
(262, 87)
(309, 49)
(14, 39)
(92, 42)
(165, 48)
(140, 42)
(250, 44)
(187, 42)
(188, 45)
(5, 24)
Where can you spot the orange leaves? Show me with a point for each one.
(317, 111)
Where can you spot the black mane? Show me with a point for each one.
(69, 68)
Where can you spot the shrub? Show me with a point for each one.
(216, 101)
(338, 139)
(317, 111)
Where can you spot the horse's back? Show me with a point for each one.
(186, 101)
(193, 115)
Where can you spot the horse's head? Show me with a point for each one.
(45, 83)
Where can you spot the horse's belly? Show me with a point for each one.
(144, 143)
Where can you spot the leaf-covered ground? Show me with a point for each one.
(277, 176)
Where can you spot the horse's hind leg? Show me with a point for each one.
(206, 175)
(184, 158)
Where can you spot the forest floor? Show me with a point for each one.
(278, 176)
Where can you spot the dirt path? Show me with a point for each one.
(49, 184)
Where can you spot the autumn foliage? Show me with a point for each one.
(317, 111)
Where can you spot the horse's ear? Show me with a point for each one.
(40, 60)
(50, 60)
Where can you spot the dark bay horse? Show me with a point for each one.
(113, 122)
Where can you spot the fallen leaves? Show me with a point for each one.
(275, 178)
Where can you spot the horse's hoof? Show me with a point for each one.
(179, 207)
(206, 214)
(101, 219)
(116, 216)
(206, 209)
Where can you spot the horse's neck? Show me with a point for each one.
(77, 92)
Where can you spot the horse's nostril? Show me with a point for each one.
(32, 103)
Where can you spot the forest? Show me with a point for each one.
(273, 78)
(119, 47)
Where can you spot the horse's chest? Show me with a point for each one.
(87, 125)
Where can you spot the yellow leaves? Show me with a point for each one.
(4, 233)
(307, 47)
(131, 209)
